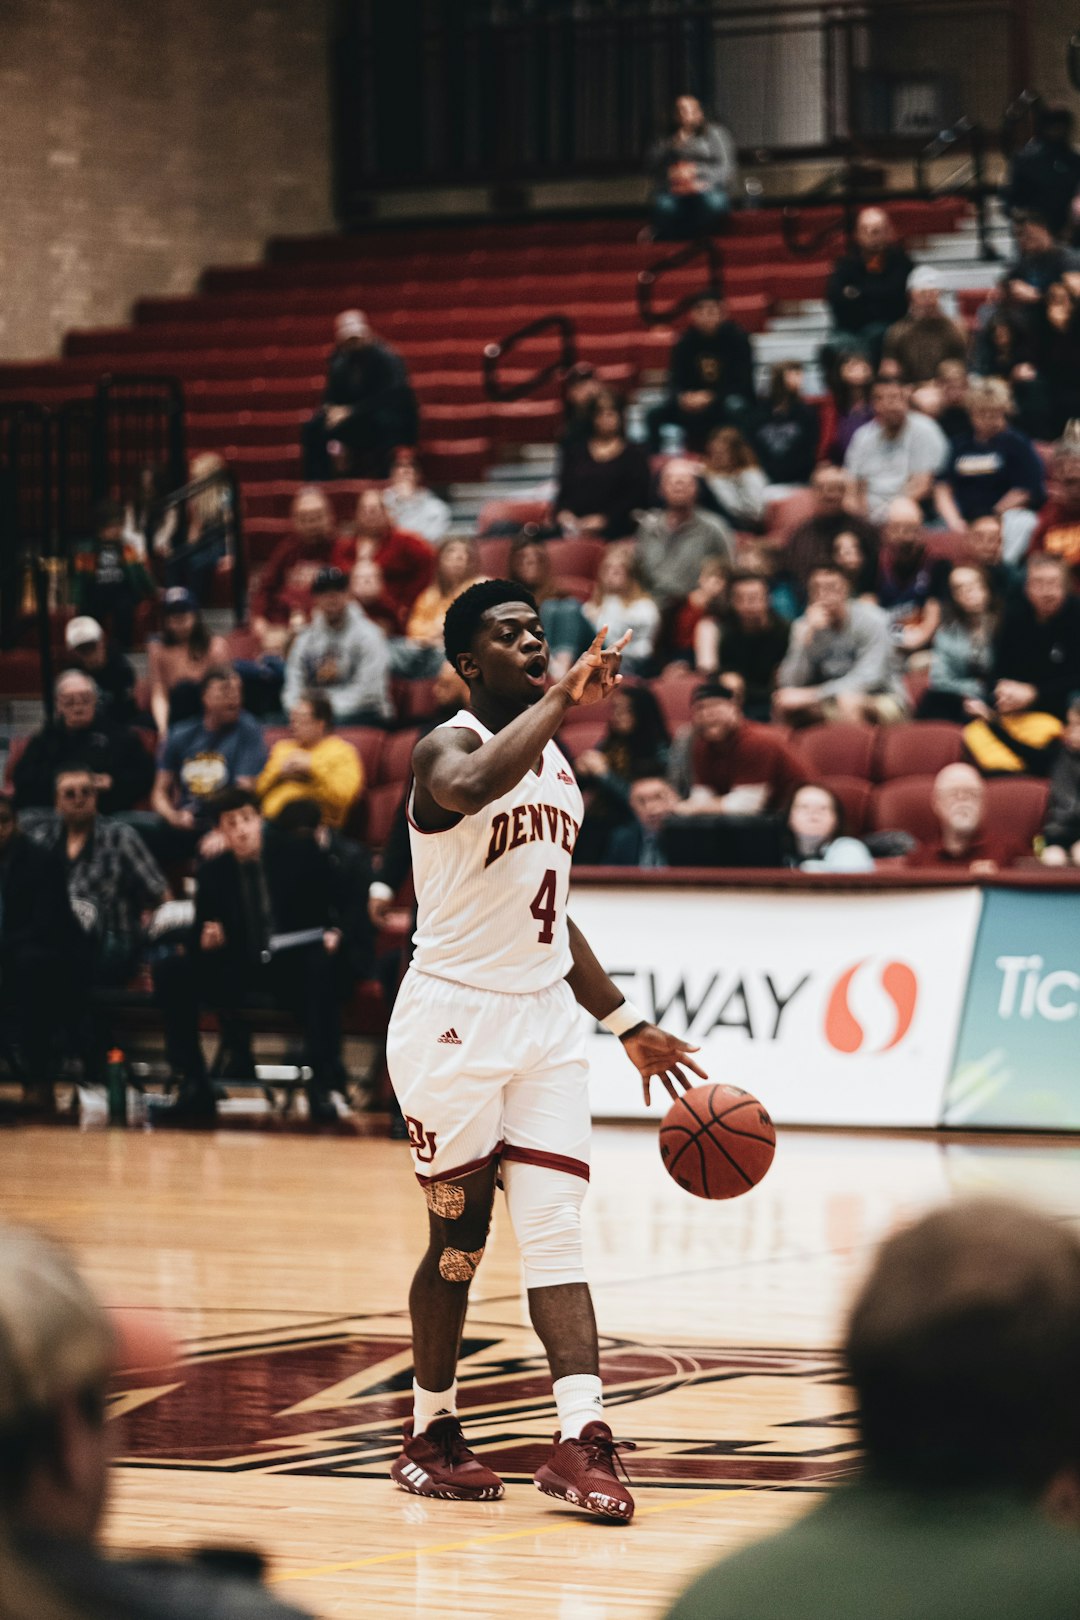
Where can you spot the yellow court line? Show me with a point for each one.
(318, 1570)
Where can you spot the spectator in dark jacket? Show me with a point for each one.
(753, 641)
(993, 470)
(90, 650)
(787, 432)
(109, 574)
(867, 290)
(637, 842)
(368, 410)
(38, 934)
(1044, 176)
(123, 769)
(603, 480)
(710, 377)
(1061, 829)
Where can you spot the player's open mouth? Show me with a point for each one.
(536, 670)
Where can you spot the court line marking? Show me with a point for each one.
(316, 1571)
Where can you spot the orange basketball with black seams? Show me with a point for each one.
(717, 1141)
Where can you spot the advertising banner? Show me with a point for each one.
(835, 1009)
(1018, 1057)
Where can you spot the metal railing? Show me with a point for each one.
(203, 525)
(495, 354)
(645, 288)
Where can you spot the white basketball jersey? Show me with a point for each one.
(491, 891)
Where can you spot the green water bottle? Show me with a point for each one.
(117, 1087)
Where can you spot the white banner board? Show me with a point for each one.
(834, 1009)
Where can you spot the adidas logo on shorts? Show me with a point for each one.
(451, 1038)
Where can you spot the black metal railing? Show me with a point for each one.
(495, 354)
(645, 287)
(26, 502)
(202, 525)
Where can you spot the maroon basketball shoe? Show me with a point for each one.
(439, 1463)
(586, 1473)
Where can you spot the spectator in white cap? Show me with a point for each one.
(916, 346)
(368, 409)
(59, 1350)
(89, 649)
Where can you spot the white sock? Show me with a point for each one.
(431, 1404)
(579, 1400)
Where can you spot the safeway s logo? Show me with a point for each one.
(884, 996)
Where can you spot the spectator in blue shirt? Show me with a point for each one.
(198, 759)
(993, 470)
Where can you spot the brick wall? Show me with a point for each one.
(145, 139)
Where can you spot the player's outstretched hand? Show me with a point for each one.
(657, 1055)
(596, 671)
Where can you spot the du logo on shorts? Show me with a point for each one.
(871, 1006)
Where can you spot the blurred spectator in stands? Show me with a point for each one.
(812, 542)
(179, 658)
(724, 764)
(421, 654)
(900, 452)
(38, 935)
(1061, 829)
(122, 768)
(407, 562)
(848, 406)
(60, 1350)
(411, 506)
(1058, 528)
(994, 471)
(604, 481)
(979, 547)
(254, 895)
(1040, 261)
(199, 758)
(787, 430)
(841, 663)
(311, 764)
(816, 839)
(731, 482)
(281, 596)
(637, 842)
(867, 290)
(368, 410)
(341, 654)
(580, 389)
(710, 379)
(973, 1308)
(916, 345)
(1036, 665)
(959, 803)
(620, 601)
(567, 629)
(951, 415)
(677, 639)
(748, 638)
(369, 589)
(1051, 397)
(109, 575)
(905, 575)
(857, 555)
(1044, 176)
(962, 657)
(695, 170)
(637, 738)
(209, 527)
(89, 649)
(1003, 346)
(672, 543)
(112, 878)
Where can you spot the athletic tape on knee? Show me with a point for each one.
(545, 1209)
(459, 1265)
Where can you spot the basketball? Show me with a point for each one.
(717, 1141)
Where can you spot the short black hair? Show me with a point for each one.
(714, 689)
(216, 672)
(230, 798)
(710, 295)
(465, 612)
(321, 707)
(107, 514)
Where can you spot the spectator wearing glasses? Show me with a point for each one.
(815, 836)
(122, 769)
(965, 842)
(89, 650)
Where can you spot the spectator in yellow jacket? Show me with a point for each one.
(311, 764)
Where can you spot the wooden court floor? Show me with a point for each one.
(283, 1263)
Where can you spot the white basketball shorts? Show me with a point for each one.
(481, 1075)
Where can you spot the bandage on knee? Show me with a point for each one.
(459, 1265)
(545, 1209)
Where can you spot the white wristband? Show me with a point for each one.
(625, 1016)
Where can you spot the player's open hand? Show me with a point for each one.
(657, 1055)
(596, 671)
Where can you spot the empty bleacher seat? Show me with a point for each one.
(920, 748)
(837, 750)
(904, 805)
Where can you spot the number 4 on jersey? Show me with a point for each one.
(543, 908)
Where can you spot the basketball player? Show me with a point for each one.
(486, 1043)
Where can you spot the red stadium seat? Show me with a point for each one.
(576, 557)
(575, 740)
(920, 748)
(573, 585)
(837, 750)
(381, 806)
(855, 796)
(516, 512)
(1016, 807)
(412, 700)
(494, 557)
(674, 692)
(904, 805)
(395, 758)
(368, 742)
